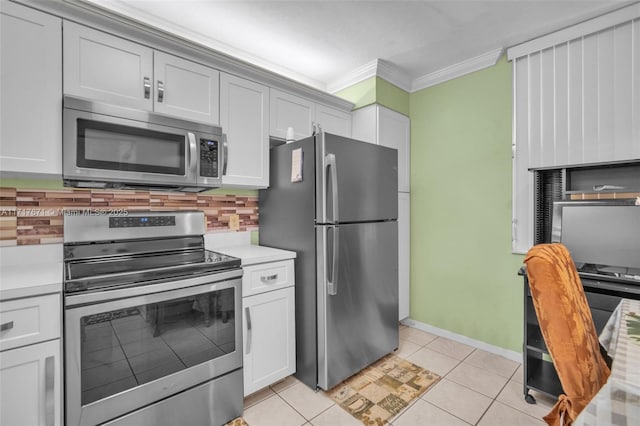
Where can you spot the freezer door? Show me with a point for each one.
(358, 304)
(357, 181)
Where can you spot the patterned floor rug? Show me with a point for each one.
(382, 390)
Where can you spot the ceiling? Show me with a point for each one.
(318, 43)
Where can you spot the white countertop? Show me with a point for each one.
(253, 254)
(30, 270)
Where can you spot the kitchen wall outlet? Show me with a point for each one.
(234, 222)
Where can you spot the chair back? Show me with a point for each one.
(567, 328)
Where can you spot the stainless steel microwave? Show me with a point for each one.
(108, 146)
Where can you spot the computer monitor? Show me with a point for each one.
(602, 236)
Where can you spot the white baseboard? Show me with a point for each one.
(512, 355)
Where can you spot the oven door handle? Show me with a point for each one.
(247, 312)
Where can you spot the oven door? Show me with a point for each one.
(122, 354)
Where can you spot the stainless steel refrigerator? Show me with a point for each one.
(333, 201)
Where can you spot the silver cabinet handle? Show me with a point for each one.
(225, 148)
(266, 279)
(147, 87)
(49, 391)
(248, 314)
(160, 91)
(6, 326)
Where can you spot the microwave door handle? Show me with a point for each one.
(225, 148)
(192, 155)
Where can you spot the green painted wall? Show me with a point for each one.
(361, 94)
(392, 96)
(377, 90)
(463, 275)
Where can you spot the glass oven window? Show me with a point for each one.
(124, 348)
(116, 147)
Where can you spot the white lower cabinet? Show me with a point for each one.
(31, 390)
(268, 323)
(269, 338)
(30, 361)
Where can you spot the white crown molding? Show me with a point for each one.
(359, 74)
(457, 70)
(376, 68)
(396, 76)
(393, 75)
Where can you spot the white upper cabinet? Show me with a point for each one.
(185, 89)
(30, 91)
(288, 110)
(244, 117)
(301, 114)
(333, 121)
(380, 125)
(106, 68)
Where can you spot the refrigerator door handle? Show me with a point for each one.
(332, 280)
(330, 161)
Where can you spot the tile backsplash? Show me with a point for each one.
(35, 216)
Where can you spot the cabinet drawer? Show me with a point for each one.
(267, 276)
(29, 320)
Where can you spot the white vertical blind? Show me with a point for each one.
(582, 99)
(575, 102)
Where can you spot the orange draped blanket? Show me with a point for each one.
(568, 330)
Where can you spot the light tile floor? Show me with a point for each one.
(477, 388)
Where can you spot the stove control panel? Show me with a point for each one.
(141, 221)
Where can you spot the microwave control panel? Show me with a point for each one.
(208, 158)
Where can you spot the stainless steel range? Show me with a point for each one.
(152, 325)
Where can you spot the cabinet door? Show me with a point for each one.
(185, 89)
(333, 121)
(30, 91)
(394, 131)
(364, 124)
(244, 117)
(106, 68)
(404, 254)
(31, 387)
(290, 111)
(268, 323)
